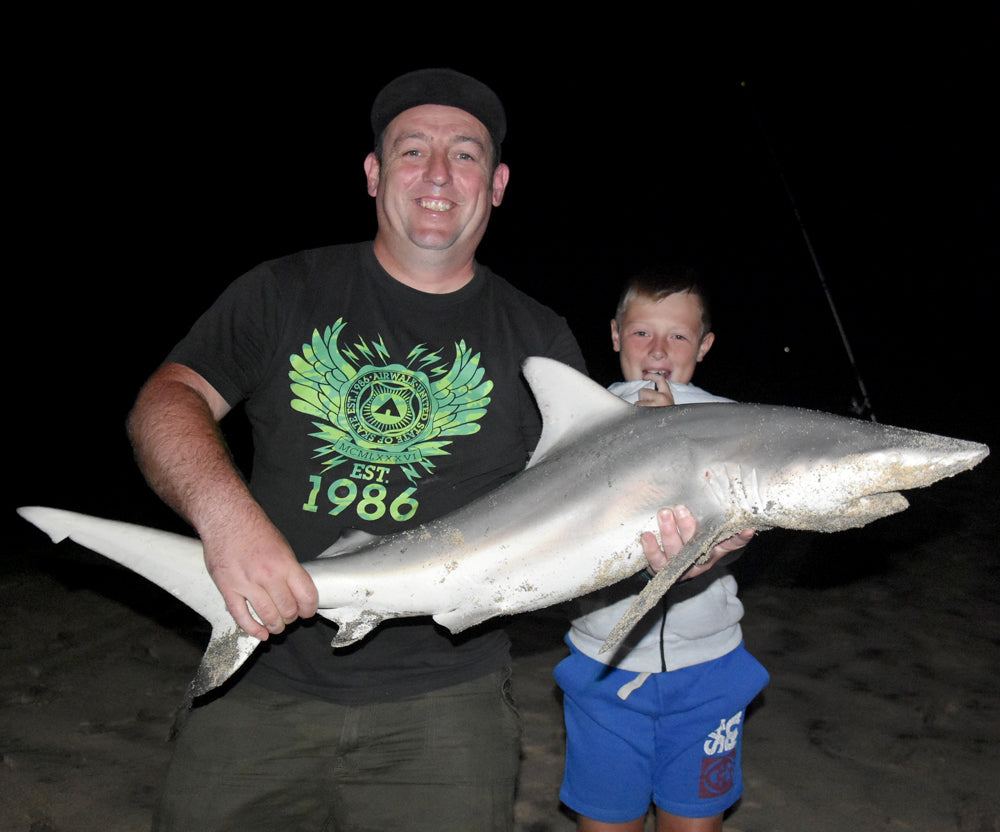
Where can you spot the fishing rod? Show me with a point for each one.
(863, 406)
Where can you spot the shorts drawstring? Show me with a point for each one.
(626, 690)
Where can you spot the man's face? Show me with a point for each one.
(435, 186)
(661, 339)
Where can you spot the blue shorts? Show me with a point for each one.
(674, 741)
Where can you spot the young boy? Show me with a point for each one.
(660, 720)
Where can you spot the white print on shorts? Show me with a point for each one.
(724, 738)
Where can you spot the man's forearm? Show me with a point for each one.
(174, 428)
(181, 451)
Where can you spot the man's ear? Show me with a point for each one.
(500, 178)
(372, 169)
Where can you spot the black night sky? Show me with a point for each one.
(155, 168)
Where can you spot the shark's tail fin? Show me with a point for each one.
(173, 562)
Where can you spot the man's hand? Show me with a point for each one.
(255, 566)
(678, 527)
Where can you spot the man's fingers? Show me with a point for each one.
(264, 575)
(304, 591)
(263, 611)
(280, 605)
(246, 616)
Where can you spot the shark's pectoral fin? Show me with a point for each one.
(658, 586)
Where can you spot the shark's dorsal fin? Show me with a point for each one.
(569, 403)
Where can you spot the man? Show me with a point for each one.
(405, 402)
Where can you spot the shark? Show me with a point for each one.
(570, 522)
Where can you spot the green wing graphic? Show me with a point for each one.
(367, 408)
(319, 373)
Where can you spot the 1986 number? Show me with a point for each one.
(369, 503)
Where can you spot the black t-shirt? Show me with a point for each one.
(378, 407)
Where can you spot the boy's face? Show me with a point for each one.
(661, 339)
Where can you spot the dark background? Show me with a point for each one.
(158, 159)
(154, 154)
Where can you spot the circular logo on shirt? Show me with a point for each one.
(387, 406)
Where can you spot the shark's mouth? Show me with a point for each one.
(856, 513)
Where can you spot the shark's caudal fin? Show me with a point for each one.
(173, 562)
(569, 403)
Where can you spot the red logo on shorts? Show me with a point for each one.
(717, 775)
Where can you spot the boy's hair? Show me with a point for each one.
(657, 283)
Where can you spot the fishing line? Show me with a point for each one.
(864, 406)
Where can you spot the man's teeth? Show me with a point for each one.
(439, 205)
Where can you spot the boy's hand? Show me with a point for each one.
(677, 528)
(726, 550)
(655, 398)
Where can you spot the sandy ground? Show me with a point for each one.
(883, 711)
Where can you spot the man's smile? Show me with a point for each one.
(438, 205)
